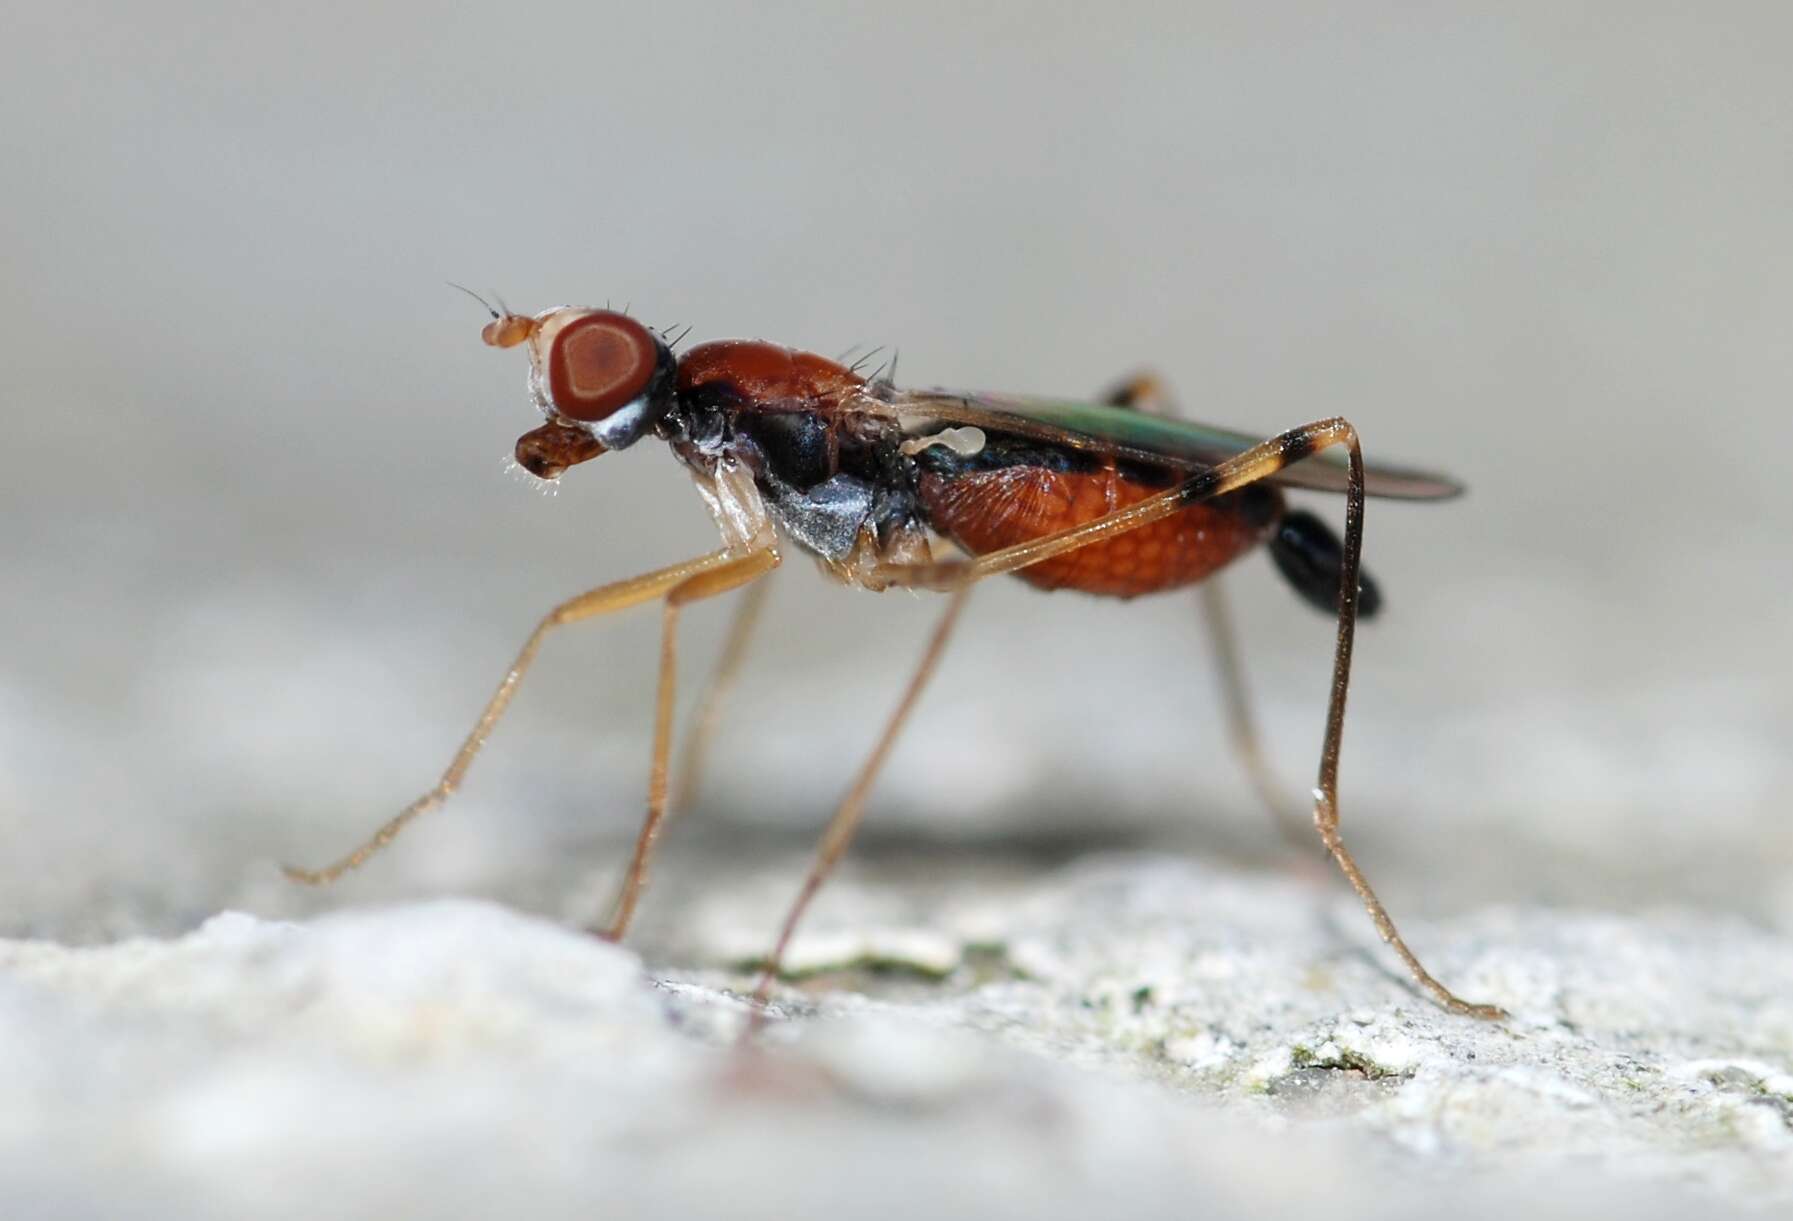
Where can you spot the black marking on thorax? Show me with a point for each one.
(824, 483)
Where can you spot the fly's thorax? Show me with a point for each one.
(799, 448)
(833, 483)
(757, 375)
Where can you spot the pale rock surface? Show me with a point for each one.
(1132, 1035)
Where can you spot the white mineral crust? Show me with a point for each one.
(1134, 1035)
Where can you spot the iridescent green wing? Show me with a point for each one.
(1143, 437)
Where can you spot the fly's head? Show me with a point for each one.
(602, 379)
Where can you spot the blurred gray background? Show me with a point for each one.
(261, 563)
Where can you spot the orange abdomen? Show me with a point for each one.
(985, 511)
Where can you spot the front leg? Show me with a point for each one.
(707, 584)
(619, 595)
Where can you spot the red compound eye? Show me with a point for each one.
(599, 363)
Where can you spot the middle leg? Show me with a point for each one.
(1242, 727)
(839, 832)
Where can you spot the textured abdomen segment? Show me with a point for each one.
(985, 511)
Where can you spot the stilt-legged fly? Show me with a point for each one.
(1109, 498)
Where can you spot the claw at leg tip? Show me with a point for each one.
(1486, 1013)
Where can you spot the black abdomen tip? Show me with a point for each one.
(1309, 556)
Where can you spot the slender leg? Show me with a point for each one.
(702, 731)
(1258, 462)
(1143, 392)
(589, 605)
(1326, 793)
(707, 584)
(839, 832)
(1242, 727)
